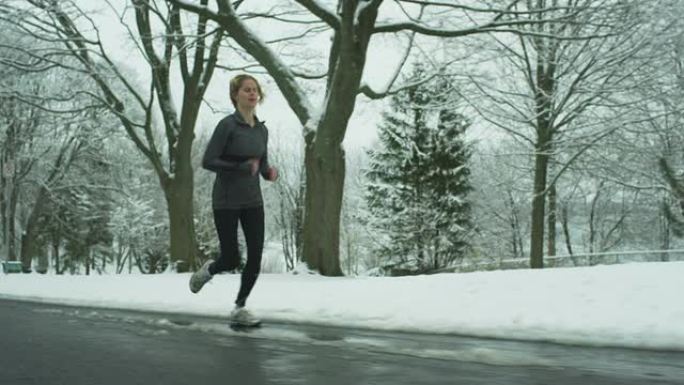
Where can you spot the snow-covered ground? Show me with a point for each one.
(635, 305)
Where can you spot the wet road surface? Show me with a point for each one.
(50, 344)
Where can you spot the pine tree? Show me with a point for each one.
(419, 183)
(450, 185)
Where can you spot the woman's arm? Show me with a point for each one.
(265, 169)
(212, 160)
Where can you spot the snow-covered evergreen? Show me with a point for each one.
(419, 183)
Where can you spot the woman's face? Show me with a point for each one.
(248, 95)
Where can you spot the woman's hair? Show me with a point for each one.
(236, 83)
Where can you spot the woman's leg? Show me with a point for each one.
(252, 220)
(226, 221)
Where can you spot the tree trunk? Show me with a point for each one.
(551, 223)
(28, 238)
(43, 261)
(55, 255)
(566, 228)
(11, 225)
(544, 91)
(10, 192)
(87, 262)
(538, 202)
(179, 199)
(516, 237)
(592, 217)
(3, 201)
(299, 223)
(325, 170)
(665, 230)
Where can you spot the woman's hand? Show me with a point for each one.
(271, 174)
(253, 165)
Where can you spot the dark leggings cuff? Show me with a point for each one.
(212, 268)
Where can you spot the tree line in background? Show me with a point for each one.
(579, 101)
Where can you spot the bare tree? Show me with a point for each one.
(564, 90)
(63, 22)
(653, 143)
(41, 120)
(499, 200)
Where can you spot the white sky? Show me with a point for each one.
(634, 305)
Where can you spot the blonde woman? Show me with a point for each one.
(237, 153)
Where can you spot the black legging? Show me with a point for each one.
(252, 221)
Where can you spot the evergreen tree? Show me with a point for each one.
(419, 181)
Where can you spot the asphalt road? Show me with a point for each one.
(49, 344)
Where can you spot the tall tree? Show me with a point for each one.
(196, 55)
(563, 90)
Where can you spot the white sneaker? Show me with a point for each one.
(243, 317)
(200, 277)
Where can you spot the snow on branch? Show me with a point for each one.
(309, 76)
(200, 10)
(318, 9)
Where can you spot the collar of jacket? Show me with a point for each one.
(241, 120)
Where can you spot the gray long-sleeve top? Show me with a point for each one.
(233, 143)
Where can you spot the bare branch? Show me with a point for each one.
(181, 45)
(371, 94)
(326, 15)
(303, 75)
(160, 69)
(495, 25)
(279, 17)
(505, 11)
(366, 90)
(491, 28)
(309, 31)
